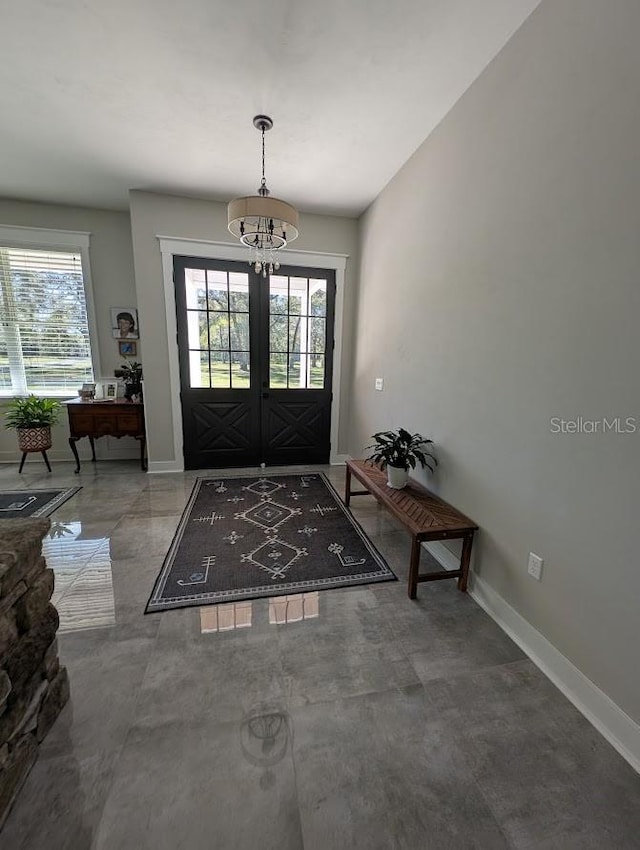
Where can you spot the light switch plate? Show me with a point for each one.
(379, 384)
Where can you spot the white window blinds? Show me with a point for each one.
(44, 332)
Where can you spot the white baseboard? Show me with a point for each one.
(612, 722)
(338, 460)
(160, 466)
(443, 555)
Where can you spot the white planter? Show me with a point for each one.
(397, 476)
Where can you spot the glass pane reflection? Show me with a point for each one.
(83, 591)
(293, 609)
(225, 618)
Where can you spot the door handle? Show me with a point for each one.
(265, 395)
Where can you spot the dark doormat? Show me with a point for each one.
(22, 503)
(264, 535)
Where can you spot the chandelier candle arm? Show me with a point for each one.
(262, 223)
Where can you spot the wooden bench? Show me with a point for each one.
(423, 514)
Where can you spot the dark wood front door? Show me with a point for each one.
(256, 359)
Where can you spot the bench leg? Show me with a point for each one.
(465, 560)
(414, 565)
(347, 488)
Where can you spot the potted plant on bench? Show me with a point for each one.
(32, 418)
(396, 451)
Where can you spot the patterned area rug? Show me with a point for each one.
(265, 535)
(22, 503)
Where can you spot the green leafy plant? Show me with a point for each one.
(130, 372)
(31, 412)
(402, 449)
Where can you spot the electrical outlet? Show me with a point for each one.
(380, 384)
(535, 566)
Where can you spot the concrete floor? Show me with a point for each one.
(372, 722)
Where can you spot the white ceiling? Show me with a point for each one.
(101, 96)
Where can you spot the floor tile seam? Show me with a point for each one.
(150, 655)
(562, 777)
(349, 697)
(459, 752)
(100, 809)
(466, 673)
(487, 800)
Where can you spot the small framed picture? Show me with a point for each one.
(107, 389)
(111, 390)
(127, 348)
(124, 323)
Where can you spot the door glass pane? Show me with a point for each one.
(294, 333)
(195, 287)
(297, 299)
(220, 370)
(197, 329)
(278, 294)
(217, 290)
(278, 371)
(199, 369)
(296, 382)
(239, 292)
(240, 377)
(219, 332)
(316, 376)
(317, 335)
(239, 329)
(278, 333)
(318, 289)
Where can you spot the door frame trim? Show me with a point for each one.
(171, 246)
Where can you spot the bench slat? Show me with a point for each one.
(417, 508)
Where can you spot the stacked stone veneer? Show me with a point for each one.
(33, 686)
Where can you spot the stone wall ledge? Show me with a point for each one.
(33, 685)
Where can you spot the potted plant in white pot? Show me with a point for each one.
(32, 418)
(396, 451)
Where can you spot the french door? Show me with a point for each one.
(256, 360)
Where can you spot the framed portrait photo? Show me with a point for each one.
(127, 348)
(124, 323)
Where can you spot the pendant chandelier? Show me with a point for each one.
(262, 223)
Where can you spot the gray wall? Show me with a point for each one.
(153, 215)
(111, 258)
(499, 288)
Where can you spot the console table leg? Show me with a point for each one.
(93, 449)
(347, 488)
(414, 565)
(465, 560)
(72, 443)
(24, 455)
(46, 460)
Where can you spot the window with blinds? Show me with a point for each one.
(44, 331)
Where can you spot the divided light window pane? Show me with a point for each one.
(44, 331)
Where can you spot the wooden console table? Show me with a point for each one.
(95, 419)
(423, 514)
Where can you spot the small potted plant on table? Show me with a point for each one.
(396, 451)
(32, 418)
(131, 374)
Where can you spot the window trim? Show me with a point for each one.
(47, 239)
